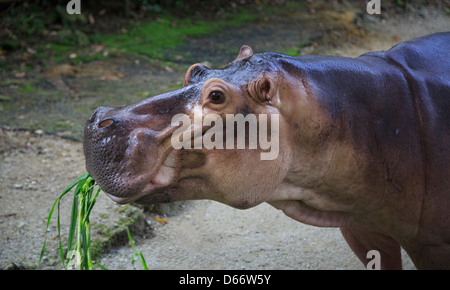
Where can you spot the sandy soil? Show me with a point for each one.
(35, 168)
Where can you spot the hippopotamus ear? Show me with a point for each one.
(262, 89)
(195, 71)
(246, 51)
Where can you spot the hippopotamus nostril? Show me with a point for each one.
(106, 123)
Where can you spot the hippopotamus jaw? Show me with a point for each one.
(161, 177)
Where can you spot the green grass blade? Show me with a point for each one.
(59, 236)
(57, 201)
(46, 231)
(85, 245)
(91, 206)
(136, 253)
(73, 225)
(100, 265)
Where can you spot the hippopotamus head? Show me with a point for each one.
(130, 150)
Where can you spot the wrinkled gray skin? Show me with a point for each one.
(363, 145)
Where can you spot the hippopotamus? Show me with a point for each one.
(362, 145)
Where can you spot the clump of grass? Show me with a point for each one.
(83, 202)
(78, 255)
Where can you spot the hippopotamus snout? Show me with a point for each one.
(126, 148)
(105, 139)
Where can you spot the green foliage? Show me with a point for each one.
(27, 88)
(79, 254)
(83, 202)
(55, 35)
(31, 22)
(152, 38)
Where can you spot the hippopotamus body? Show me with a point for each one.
(363, 144)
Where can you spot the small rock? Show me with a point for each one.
(29, 146)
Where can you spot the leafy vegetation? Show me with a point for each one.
(79, 255)
(79, 230)
(45, 32)
(150, 38)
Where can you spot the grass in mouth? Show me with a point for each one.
(78, 255)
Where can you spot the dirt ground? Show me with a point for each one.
(36, 167)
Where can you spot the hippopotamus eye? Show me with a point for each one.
(216, 97)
